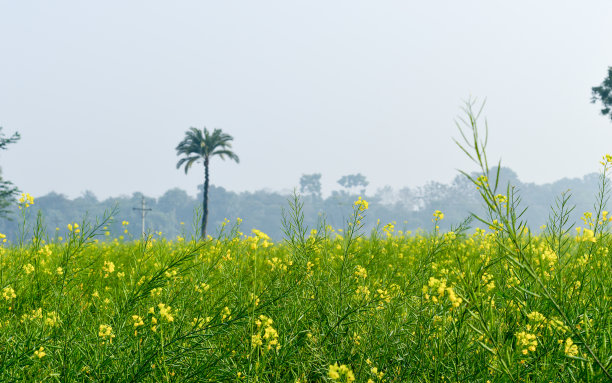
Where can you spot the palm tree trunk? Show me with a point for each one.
(205, 200)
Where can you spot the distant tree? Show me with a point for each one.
(354, 181)
(386, 195)
(311, 184)
(201, 145)
(603, 93)
(7, 190)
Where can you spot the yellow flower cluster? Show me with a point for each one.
(260, 238)
(440, 287)
(40, 353)
(8, 293)
(482, 181)
(496, 226)
(226, 314)
(378, 374)
(202, 287)
(25, 200)
(571, 349)
(389, 229)
(361, 204)
(549, 259)
(29, 269)
(586, 236)
(437, 216)
(52, 319)
(277, 264)
(106, 333)
(36, 314)
(383, 297)
(74, 228)
(156, 292)
(362, 292)
(266, 335)
(536, 317)
(360, 273)
(137, 321)
(108, 268)
(452, 296)
(501, 199)
(199, 323)
(2, 238)
(341, 373)
(165, 312)
(487, 281)
(526, 342)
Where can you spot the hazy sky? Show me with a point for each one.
(102, 92)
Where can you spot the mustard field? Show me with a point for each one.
(324, 305)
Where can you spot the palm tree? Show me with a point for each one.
(202, 145)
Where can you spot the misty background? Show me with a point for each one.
(408, 208)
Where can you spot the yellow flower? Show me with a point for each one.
(52, 319)
(164, 311)
(109, 267)
(341, 373)
(527, 342)
(226, 314)
(40, 352)
(438, 216)
(361, 204)
(269, 336)
(455, 300)
(137, 320)
(106, 332)
(360, 273)
(256, 340)
(8, 293)
(571, 349)
(26, 200)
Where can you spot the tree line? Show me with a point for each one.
(176, 213)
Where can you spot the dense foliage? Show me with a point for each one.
(410, 208)
(8, 191)
(603, 94)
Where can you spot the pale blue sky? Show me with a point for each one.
(102, 92)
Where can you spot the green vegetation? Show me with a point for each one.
(603, 94)
(7, 189)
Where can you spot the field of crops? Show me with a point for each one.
(488, 301)
(323, 305)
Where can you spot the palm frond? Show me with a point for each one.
(224, 152)
(188, 161)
